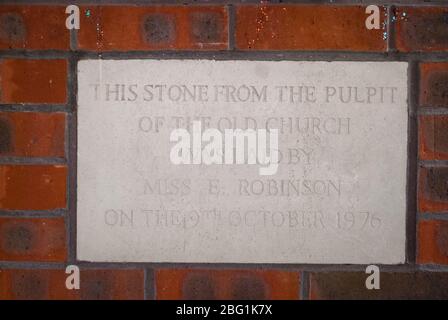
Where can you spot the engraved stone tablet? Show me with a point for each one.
(338, 194)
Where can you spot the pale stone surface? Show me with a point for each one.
(338, 195)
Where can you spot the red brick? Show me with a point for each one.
(432, 193)
(421, 29)
(105, 28)
(33, 81)
(112, 284)
(434, 84)
(393, 285)
(47, 284)
(32, 239)
(433, 242)
(306, 27)
(31, 134)
(33, 27)
(33, 187)
(226, 284)
(433, 137)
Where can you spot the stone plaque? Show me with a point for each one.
(336, 194)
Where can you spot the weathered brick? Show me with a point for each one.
(33, 187)
(32, 134)
(106, 28)
(433, 137)
(434, 84)
(33, 81)
(306, 27)
(32, 239)
(393, 285)
(112, 284)
(158, 29)
(433, 242)
(206, 27)
(33, 27)
(121, 284)
(421, 29)
(226, 284)
(433, 189)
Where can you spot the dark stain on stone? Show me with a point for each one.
(437, 183)
(198, 287)
(12, 27)
(158, 29)
(5, 136)
(29, 286)
(206, 27)
(98, 287)
(18, 239)
(442, 238)
(427, 31)
(248, 288)
(437, 92)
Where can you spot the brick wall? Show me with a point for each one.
(38, 58)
